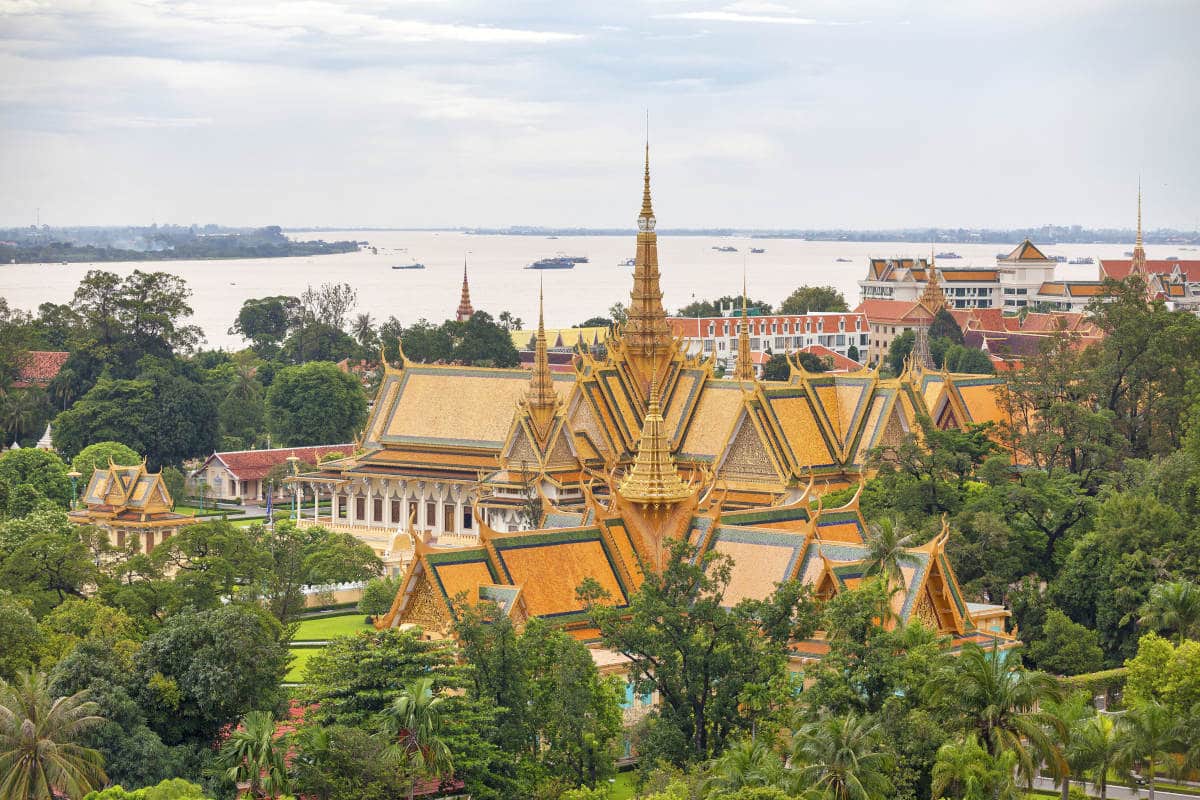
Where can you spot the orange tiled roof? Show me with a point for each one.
(969, 275)
(891, 310)
(1026, 251)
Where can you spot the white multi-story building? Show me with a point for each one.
(774, 333)
(1011, 284)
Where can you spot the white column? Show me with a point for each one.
(351, 506)
(316, 501)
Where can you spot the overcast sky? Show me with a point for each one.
(763, 113)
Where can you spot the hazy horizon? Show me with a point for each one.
(764, 114)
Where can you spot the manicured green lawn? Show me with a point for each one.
(622, 788)
(300, 657)
(323, 628)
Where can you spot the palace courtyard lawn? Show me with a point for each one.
(321, 629)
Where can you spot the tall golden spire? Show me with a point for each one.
(542, 400)
(932, 297)
(654, 481)
(1138, 263)
(744, 369)
(464, 303)
(647, 334)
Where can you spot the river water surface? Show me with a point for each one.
(690, 268)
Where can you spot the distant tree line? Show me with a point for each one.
(162, 244)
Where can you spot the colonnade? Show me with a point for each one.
(435, 506)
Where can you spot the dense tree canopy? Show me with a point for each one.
(813, 298)
(315, 403)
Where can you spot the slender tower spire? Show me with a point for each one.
(744, 369)
(1138, 264)
(654, 482)
(464, 304)
(647, 334)
(542, 400)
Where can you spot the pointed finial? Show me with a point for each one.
(647, 208)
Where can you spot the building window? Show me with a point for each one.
(708, 345)
(431, 515)
(468, 521)
(395, 511)
(448, 515)
(360, 508)
(377, 510)
(120, 540)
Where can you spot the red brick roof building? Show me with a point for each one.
(40, 367)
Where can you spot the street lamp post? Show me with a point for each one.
(295, 464)
(74, 476)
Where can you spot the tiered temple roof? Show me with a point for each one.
(129, 495)
(656, 449)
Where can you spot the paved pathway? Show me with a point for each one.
(1115, 792)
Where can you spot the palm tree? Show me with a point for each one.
(253, 755)
(960, 770)
(964, 770)
(363, 328)
(1071, 711)
(748, 763)
(996, 698)
(414, 722)
(1149, 735)
(21, 411)
(1174, 607)
(39, 755)
(1095, 746)
(839, 758)
(886, 543)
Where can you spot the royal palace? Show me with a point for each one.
(514, 486)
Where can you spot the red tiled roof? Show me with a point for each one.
(254, 464)
(891, 310)
(1118, 268)
(760, 325)
(984, 319)
(40, 367)
(840, 362)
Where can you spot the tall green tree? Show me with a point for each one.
(813, 298)
(204, 669)
(43, 470)
(841, 758)
(315, 403)
(1149, 738)
(1174, 607)
(990, 694)
(252, 754)
(701, 657)
(1096, 747)
(413, 722)
(99, 455)
(39, 755)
